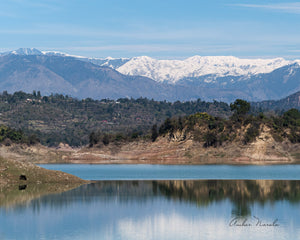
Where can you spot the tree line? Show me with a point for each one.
(214, 131)
(60, 118)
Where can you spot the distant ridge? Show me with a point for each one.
(217, 66)
(208, 78)
(292, 101)
(23, 51)
(108, 62)
(68, 75)
(172, 71)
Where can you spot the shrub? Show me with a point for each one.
(105, 139)
(251, 133)
(210, 139)
(154, 133)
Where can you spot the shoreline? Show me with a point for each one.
(132, 162)
(170, 164)
(19, 173)
(164, 151)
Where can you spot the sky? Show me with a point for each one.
(162, 29)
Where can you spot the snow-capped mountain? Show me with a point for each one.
(208, 78)
(107, 62)
(172, 71)
(113, 63)
(23, 51)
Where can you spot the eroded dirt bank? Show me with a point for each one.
(187, 152)
(165, 150)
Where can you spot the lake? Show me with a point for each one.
(162, 209)
(169, 172)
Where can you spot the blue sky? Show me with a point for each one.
(161, 29)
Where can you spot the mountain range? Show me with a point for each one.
(210, 78)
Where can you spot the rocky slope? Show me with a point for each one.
(264, 150)
(166, 150)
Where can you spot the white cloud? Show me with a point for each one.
(101, 32)
(175, 51)
(294, 51)
(282, 7)
(191, 36)
(150, 49)
(42, 4)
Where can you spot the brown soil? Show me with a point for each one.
(22, 181)
(165, 150)
(15, 172)
(178, 150)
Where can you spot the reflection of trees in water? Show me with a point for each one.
(17, 196)
(241, 208)
(242, 193)
(105, 191)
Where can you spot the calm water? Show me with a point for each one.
(158, 210)
(159, 172)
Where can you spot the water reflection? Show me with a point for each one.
(242, 193)
(158, 210)
(22, 195)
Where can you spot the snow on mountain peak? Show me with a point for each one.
(196, 66)
(61, 54)
(143, 59)
(297, 62)
(26, 51)
(174, 70)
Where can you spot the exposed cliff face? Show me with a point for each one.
(181, 148)
(265, 148)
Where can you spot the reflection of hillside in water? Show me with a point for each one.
(242, 193)
(18, 195)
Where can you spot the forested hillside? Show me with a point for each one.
(240, 127)
(279, 106)
(58, 118)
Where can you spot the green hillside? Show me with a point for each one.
(58, 118)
